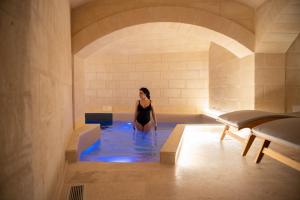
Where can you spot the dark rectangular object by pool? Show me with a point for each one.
(105, 119)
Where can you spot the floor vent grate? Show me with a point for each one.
(76, 192)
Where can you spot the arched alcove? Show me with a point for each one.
(241, 38)
(121, 53)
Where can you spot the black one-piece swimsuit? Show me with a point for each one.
(143, 116)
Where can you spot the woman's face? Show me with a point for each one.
(142, 94)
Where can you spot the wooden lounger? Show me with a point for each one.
(237, 120)
(285, 132)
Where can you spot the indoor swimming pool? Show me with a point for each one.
(120, 143)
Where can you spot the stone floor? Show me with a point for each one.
(206, 169)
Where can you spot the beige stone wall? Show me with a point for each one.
(270, 82)
(293, 77)
(231, 80)
(35, 97)
(253, 82)
(79, 91)
(178, 82)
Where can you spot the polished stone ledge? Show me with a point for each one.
(171, 149)
(81, 139)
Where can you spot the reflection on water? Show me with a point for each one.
(120, 143)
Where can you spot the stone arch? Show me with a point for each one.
(237, 39)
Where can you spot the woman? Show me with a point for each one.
(143, 109)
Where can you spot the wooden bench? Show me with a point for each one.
(237, 120)
(81, 139)
(285, 132)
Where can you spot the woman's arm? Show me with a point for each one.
(154, 116)
(135, 114)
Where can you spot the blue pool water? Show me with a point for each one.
(119, 143)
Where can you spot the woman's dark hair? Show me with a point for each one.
(145, 91)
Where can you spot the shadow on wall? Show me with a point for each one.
(16, 101)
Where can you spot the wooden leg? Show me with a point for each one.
(260, 154)
(224, 132)
(248, 144)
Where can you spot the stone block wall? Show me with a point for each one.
(292, 77)
(270, 82)
(231, 80)
(178, 82)
(35, 97)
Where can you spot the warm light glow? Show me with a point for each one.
(196, 137)
(212, 112)
(244, 132)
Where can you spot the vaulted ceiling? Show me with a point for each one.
(252, 3)
(161, 37)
